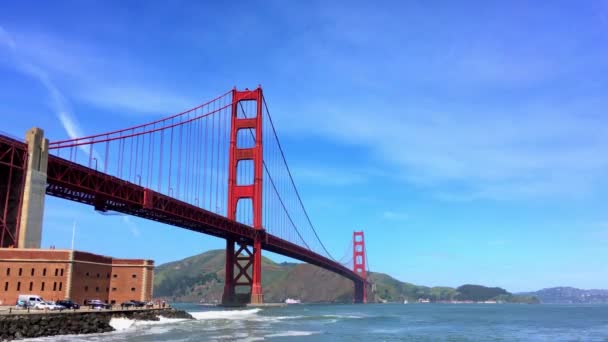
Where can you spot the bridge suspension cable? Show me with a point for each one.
(293, 185)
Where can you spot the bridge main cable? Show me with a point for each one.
(293, 182)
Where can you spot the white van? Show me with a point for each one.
(29, 299)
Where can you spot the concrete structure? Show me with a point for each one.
(58, 274)
(32, 206)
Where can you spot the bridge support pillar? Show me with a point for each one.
(360, 292)
(228, 296)
(257, 297)
(32, 207)
(242, 266)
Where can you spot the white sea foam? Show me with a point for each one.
(343, 316)
(280, 318)
(120, 324)
(290, 333)
(161, 320)
(225, 314)
(241, 337)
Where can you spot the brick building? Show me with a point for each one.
(59, 273)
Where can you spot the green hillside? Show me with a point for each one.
(200, 278)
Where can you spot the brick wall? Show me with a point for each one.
(128, 280)
(90, 281)
(92, 276)
(38, 272)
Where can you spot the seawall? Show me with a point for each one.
(26, 325)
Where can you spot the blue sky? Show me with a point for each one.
(468, 140)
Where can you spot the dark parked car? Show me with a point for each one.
(68, 304)
(128, 304)
(97, 304)
(138, 303)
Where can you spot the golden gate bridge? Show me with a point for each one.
(217, 169)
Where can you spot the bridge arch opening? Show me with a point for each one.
(245, 172)
(247, 109)
(245, 138)
(244, 211)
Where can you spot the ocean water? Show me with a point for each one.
(372, 322)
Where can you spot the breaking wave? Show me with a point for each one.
(292, 333)
(225, 314)
(121, 324)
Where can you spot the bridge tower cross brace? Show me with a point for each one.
(359, 267)
(248, 262)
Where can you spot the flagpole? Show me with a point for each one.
(73, 233)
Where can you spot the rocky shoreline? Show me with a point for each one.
(18, 326)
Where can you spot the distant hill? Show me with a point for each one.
(200, 277)
(570, 295)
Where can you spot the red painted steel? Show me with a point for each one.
(78, 183)
(359, 266)
(13, 163)
(253, 192)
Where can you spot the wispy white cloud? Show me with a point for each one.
(71, 127)
(529, 150)
(58, 102)
(6, 39)
(395, 215)
(328, 176)
(133, 98)
(131, 226)
(91, 76)
(492, 116)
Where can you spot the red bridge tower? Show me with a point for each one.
(247, 261)
(359, 267)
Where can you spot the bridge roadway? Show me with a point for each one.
(72, 181)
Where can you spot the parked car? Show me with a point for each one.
(48, 306)
(21, 305)
(97, 304)
(138, 303)
(29, 300)
(68, 304)
(128, 304)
